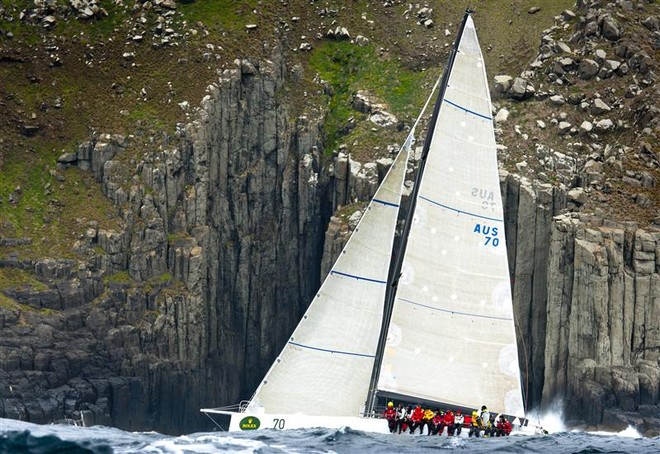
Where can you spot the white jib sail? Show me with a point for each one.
(326, 366)
(452, 336)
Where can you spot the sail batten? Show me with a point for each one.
(338, 352)
(466, 110)
(453, 311)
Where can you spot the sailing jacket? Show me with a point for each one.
(504, 425)
(485, 418)
(449, 418)
(458, 420)
(389, 413)
(428, 415)
(417, 414)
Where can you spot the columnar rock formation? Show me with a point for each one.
(189, 301)
(603, 336)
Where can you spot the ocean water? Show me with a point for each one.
(20, 437)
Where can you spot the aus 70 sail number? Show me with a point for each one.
(489, 233)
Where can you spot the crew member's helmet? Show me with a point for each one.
(390, 404)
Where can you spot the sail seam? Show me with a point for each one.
(360, 278)
(453, 312)
(364, 355)
(460, 211)
(486, 117)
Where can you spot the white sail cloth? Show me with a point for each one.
(452, 336)
(326, 366)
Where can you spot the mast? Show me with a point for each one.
(397, 263)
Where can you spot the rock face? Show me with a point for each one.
(601, 352)
(218, 256)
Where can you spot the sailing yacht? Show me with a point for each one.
(430, 321)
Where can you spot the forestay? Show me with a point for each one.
(451, 337)
(325, 367)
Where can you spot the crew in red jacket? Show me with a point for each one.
(390, 415)
(416, 419)
(503, 427)
(449, 422)
(438, 422)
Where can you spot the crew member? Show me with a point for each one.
(485, 420)
(416, 419)
(438, 422)
(458, 422)
(390, 415)
(503, 427)
(427, 421)
(449, 422)
(476, 426)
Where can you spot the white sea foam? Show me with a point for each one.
(551, 420)
(628, 432)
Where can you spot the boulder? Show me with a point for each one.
(503, 83)
(586, 127)
(521, 89)
(599, 107)
(609, 28)
(587, 69)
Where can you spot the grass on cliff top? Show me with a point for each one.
(349, 68)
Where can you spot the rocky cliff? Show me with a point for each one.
(187, 303)
(219, 239)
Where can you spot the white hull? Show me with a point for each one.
(240, 421)
(258, 421)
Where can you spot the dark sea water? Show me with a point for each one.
(20, 437)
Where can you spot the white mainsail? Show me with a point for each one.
(452, 337)
(325, 367)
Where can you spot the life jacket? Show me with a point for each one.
(428, 415)
(417, 414)
(390, 413)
